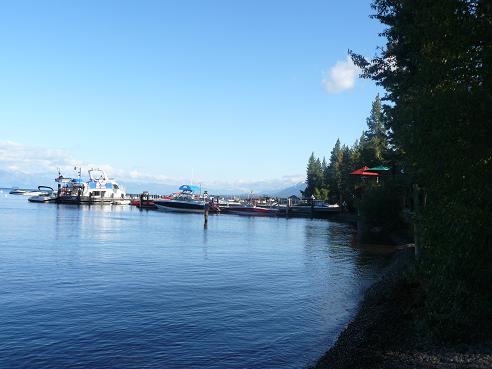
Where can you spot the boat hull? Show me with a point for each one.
(315, 211)
(145, 204)
(180, 206)
(26, 193)
(42, 198)
(249, 211)
(88, 200)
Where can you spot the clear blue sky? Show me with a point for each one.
(232, 89)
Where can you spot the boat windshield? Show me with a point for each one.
(97, 174)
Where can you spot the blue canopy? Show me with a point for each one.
(189, 188)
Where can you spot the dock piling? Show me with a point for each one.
(205, 215)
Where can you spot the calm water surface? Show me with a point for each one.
(95, 287)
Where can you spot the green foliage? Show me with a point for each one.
(437, 71)
(380, 210)
(314, 176)
(456, 269)
(333, 179)
(321, 194)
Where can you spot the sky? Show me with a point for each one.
(211, 91)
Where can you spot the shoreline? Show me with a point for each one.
(382, 334)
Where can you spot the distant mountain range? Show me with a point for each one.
(12, 179)
(9, 179)
(292, 190)
(259, 188)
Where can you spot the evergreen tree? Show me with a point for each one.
(355, 156)
(314, 176)
(327, 178)
(324, 168)
(376, 132)
(345, 178)
(334, 173)
(373, 142)
(318, 171)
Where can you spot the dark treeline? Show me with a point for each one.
(331, 180)
(436, 69)
(434, 121)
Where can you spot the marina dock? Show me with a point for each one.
(273, 206)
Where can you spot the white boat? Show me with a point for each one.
(18, 191)
(230, 202)
(46, 194)
(98, 189)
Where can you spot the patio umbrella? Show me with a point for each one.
(379, 168)
(363, 172)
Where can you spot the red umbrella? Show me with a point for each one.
(362, 172)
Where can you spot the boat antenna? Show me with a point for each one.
(79, 172)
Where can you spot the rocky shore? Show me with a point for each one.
(383, 335)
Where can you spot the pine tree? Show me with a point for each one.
(324, 168)
(373, 142)
(334, 173)
(314, 176)
(376, 132)
(345, 170)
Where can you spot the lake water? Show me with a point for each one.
(94, 287)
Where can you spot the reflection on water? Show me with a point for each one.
(112, 286)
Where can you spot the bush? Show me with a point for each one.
(456, 269)
(381, 212)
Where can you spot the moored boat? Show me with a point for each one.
(99, 189)
(145, 204)
(46, 194)
(181, 205)
(146, 201)
(316, 209)
(249, 210)
(184, 202)
(18, 191)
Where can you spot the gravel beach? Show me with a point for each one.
(382, 334)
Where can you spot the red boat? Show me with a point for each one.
(146, 204)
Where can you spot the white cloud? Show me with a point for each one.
(40, 162)
(341, 76)
(28, 159)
